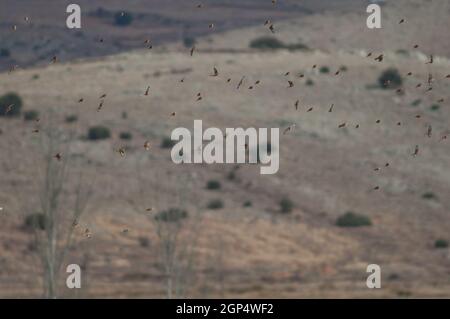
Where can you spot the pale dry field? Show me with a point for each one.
(242, 251)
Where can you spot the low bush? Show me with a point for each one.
(171, 215)
(167, 142)
(125, 136)
(441, 243)
(390, 79)
(123, 19)
(30, 115)
(213, 185)
(215, 204)
(37, 221)
(286, 205)
(10, 104)
(99, 133)
(351, 219)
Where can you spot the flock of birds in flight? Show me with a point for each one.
(290, 84)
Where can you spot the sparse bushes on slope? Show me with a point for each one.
(189, 42)
(324, 69)
(441, 243)
(123, 19)
(99, 133)
(429, 195)
(213, 185)
(36, 221)
(71, 118)
(390, 79)
(351, 219)
(171, 215)
(215, 204)
(125, 136)
(286, 205)
(31, 115)
(272, 43)
(167, 142)
(10, 104)
(4, 53)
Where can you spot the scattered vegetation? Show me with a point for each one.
(215, 204)
(435, 107)
(99, 133)
(266, 42)
(213, 185)
(429, 195)
(171, 215)
(36, 221)
(144, 241)
(71, 118)
(441, 243)
(390, 79)
(123, 19)
(125, 136)
(272, 43)
(286, 205)
(416, 102)
(351, 219)
(324, 69)
(30, 115)
(4, 53)
(231, 176)
(309, 82)
(10, 104)
(167, 142)
(189, 42)
(248, 204)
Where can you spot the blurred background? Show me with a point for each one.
(87, 178)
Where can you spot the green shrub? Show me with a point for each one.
(429, 195)
(390, 79)
(213, 184)
(144, 241)
(37, 221)
(123, 19)
(215, 204)
(416, 102)
(267, 43)
(441, 243)
(350, 219)
(248, 204)
(4, 53)
(286, 205)
(231, 176)
(167, 142)
(8, 99)
(324, 69)
(99, 133)
(171, 215)
(31, 115)
(435, 107)
(189, 42)
(126, 136)
(309, 82)
(71, 118)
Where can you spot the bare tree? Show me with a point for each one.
(176, 227)
(58, 216)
